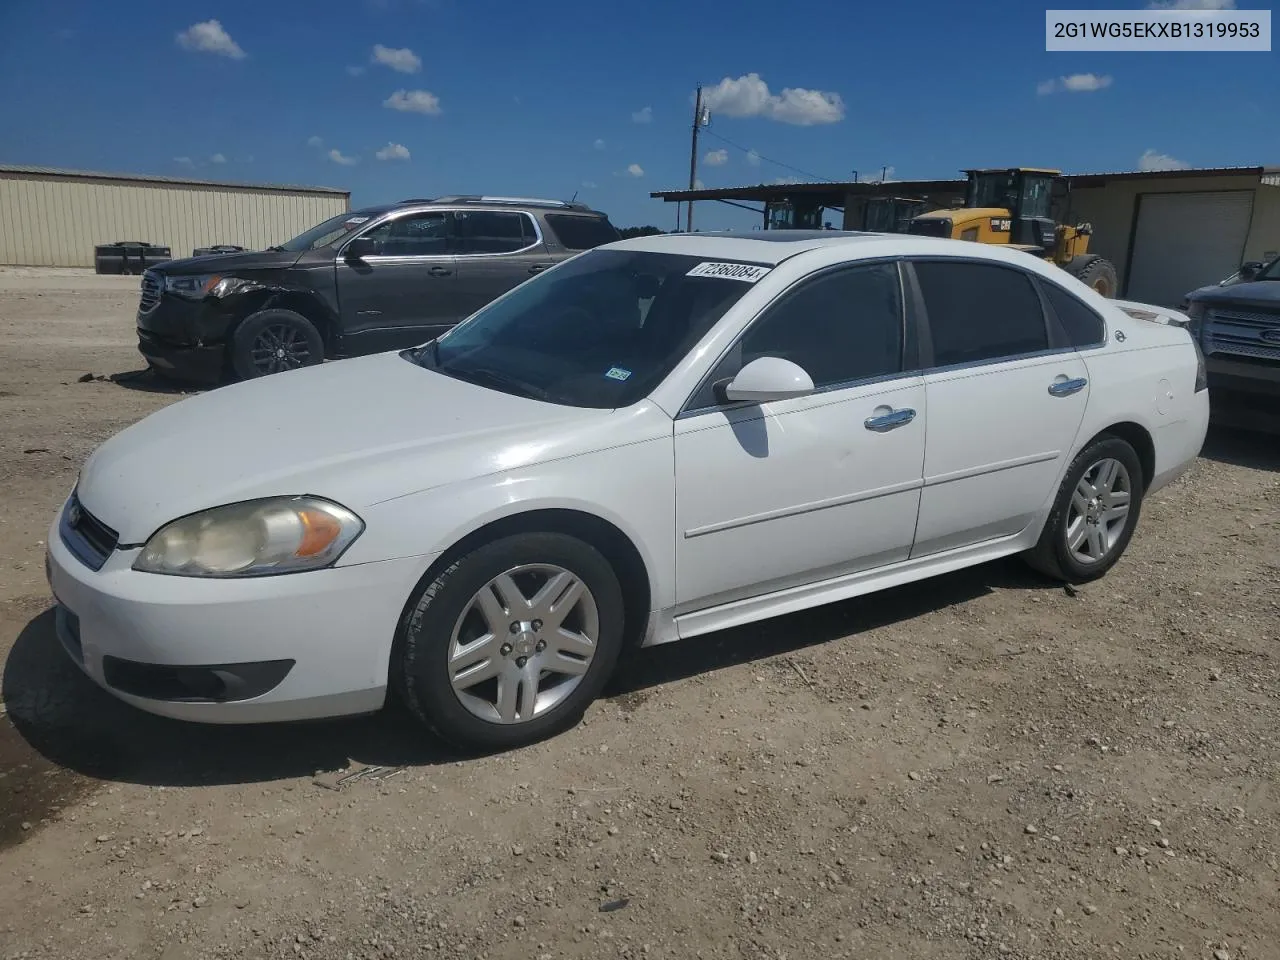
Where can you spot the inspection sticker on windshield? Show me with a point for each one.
(745, 272)
(617, 373)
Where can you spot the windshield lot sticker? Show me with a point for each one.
(729, 271)
(617, 373)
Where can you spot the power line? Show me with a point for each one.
(776, 163)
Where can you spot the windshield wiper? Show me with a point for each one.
(500, 380)
(276, 249)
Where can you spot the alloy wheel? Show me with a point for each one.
(523, 643)
(1099, 511)
(280, 347)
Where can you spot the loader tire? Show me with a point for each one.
(1096, 272)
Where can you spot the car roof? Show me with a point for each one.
(774, 246)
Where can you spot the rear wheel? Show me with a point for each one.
(271, 341)
(512, 642)
(1094, 515)
(1098, 272)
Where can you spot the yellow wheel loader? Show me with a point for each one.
(1014, 206)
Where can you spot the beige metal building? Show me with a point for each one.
(1167, 231)
(56, 217)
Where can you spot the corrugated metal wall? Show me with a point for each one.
(57, 221)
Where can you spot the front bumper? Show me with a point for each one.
(1243, 376)
(185, 339)
(292, 647)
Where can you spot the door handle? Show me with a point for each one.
(1065, 388)
(537, 268)
(890, 421)
(440, 272)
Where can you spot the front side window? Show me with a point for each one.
(493, 231)
(839, 327)
(980, 312)
(414, 235)
(601, 330)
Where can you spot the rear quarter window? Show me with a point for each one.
(582, 233)
(1083, 327)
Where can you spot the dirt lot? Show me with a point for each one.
(985, 765)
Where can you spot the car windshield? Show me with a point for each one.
(324, 234)
(601, 330)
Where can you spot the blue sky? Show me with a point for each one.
(595, 97)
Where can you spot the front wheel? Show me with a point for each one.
(1094, 514)
(272, 341)
(512, 642)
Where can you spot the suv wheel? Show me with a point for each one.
(512, 642)
(271, 341)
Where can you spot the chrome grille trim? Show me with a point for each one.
(151, 286)
(1241, 333)
(91, 540)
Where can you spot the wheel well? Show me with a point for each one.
(1138, 438)
(613, 544)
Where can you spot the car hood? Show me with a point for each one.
(357, 431)
(224, 263)
(1256, 291)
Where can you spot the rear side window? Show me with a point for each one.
(582, 233)
(1083, 327)
(485, 231)
(979, 312)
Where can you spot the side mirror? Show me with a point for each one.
(1250, 269)
(768, 378)
(359, 248)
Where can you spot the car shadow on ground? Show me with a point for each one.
(1253, 449)
(147, 380)
(71, 723)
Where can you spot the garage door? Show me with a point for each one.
(1186, 240)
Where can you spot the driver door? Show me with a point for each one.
(787, 493)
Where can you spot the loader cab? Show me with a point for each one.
(790, 215)
(891, 214)
(1027, 193)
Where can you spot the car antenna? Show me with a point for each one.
(574, 197)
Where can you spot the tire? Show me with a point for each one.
(271, 341)
(1053, 555)
(503, 695)
(1096, 272)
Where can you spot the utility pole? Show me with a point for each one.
(693, 159)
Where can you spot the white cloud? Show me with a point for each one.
(589, 184)
(1192, 5)
(699, 185)
(393, 151)
(1154, 160)
(338, 157)
(314, 142)
(1074, 83)
(218, 158)
(599, 144)
(184, 161)
(643, 115)
(355, 71)
(716, 158)
(635, 170)
(786, 180)
(209, 37)
(403, 60)
(749, 96)
(753, 158)
(414, 101)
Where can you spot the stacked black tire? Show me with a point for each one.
(128, 256)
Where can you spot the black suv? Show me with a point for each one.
(366, 281)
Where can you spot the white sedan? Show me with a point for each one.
(657, 439)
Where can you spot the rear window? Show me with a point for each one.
(582, 233)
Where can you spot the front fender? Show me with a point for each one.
(631, 487)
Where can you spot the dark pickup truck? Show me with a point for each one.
(1237, 323)
(380, 278)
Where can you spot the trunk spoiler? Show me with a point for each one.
(1154, 314)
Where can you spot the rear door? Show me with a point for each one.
(1006, 397)
(496, 250)
(404, 293)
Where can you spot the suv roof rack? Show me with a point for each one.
(515, 201)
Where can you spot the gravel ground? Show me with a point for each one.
(986, 765)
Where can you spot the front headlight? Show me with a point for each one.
(252, 539)
(205, 285)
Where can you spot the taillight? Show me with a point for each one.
(1202, 375)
